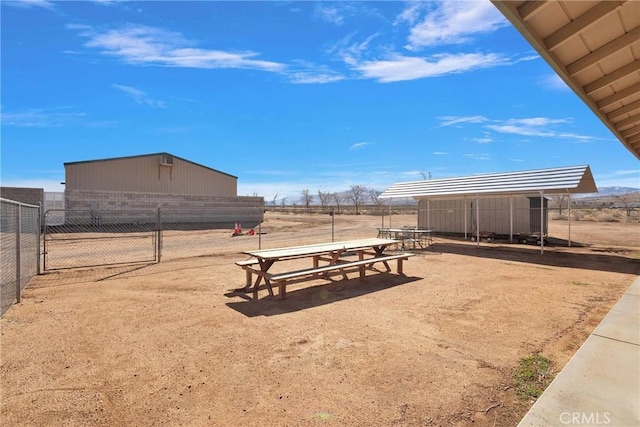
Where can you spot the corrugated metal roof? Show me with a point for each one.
(572, 179)
(594, 46)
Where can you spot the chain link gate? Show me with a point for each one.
(91, 238)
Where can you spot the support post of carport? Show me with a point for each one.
(510, 218)
(542, 222)
(569, 218)
(466, 227)
(477, 220)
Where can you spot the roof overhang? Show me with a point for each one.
(565, 180)
(594, 46)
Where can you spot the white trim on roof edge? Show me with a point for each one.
(571, 179)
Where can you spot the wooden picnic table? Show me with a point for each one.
(408, 236)
(368, 251)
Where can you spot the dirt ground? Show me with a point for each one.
(173, 344)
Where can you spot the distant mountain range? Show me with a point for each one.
(609, 191)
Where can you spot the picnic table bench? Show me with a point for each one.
(368, 251)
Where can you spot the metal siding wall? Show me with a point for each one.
(521, 215)
(138, 174)
(145, 175)
(447, 215)
(192, 179)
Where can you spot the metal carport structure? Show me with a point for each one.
(568, 180)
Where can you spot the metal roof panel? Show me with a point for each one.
(574, 179)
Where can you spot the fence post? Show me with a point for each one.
(44, 244)
(260, 230)
(333, 222)
(38, 237)
(159, 235)
(18, 267)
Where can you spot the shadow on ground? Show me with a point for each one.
(63, 277)
(603, 261)
(308, 297)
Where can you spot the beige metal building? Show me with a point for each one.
(185, 191)
(149, 173)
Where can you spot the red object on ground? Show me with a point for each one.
(237, 230)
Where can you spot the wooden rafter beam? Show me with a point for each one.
(612, 77)
(581, 23)
(605, 51)
(618, 96)
(624, 110)
(527, 9)
(629, 121)
(631, 131)
(634, 141)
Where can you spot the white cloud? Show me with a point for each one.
(536, 126)
(454, 22)
(454, 120)
(521, 130)
(350, 52)
(439, 153)
(46, 4)
(483, 140)
(553, 82)
(359, 145)
(53, 117)
(478, 156)
(310, 78)
(629, 179)
(538, 121)
(635, 172)
(329, 14)
(399, 67)
(143, 45)
(139, 96)
(544, 127)
(411, 13)
(308, 73)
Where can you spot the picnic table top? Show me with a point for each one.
(319, 248)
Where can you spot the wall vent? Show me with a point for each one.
(166, 160)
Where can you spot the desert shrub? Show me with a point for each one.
(606, 217)
(583, 215)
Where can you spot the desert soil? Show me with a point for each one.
(173, 344)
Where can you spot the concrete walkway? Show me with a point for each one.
(600, 385)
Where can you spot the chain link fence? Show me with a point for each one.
(89, 238)
(19, 249)
(96, 238)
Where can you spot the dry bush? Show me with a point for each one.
(600, 215)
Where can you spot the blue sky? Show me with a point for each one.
(289, 96)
